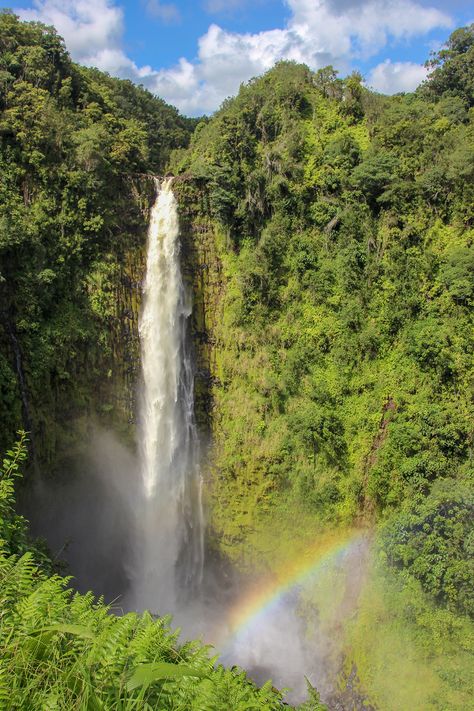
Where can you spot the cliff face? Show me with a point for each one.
(98, 383)
(204, 277)
(78, 365)
(117, 302)
(114, 400)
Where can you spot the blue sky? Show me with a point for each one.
(195, 54)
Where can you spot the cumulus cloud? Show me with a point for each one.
(89, 26)
(393, 77)
(93, 31)
(318, 32)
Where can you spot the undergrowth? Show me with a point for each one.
(64, 651)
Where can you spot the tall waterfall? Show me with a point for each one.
(171, 520)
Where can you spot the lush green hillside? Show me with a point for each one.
(344, 347)
(342, 353)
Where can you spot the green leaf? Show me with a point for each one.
(146, 674)
(77, 630)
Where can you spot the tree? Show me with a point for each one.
(452, 68)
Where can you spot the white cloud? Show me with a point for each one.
(361, 27)
(318, 32)
(88, 26)
(93, 31)
(393, 77)
(163, 11)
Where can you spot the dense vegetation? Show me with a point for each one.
(345, 343)
(343, 386)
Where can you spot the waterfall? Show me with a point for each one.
(170, 521)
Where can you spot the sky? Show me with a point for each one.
(196, 54)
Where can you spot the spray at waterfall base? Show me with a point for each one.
(282, 624)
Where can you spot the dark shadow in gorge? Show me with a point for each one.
(86, 516)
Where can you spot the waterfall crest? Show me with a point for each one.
(171, 517)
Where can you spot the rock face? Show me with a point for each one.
(203, 275)
(202, 271)
(114, 401)
(350, 697)
(99, 385)
(112, 378)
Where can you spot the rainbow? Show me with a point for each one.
(265, 597)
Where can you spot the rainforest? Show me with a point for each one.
(236, 390)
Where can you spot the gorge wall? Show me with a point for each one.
(203, 271)
(98, 378)
(114, 399)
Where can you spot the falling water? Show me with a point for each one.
(170, 521)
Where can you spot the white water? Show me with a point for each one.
(170, 526)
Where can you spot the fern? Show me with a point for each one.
(63, 651)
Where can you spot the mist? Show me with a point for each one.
(92, 520)
(87, 514)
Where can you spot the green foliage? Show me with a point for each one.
(62, 650)
(452, 67)
(343, 374)
(374, 176)
(14, 538)
(458, 274)
(12, 526)
(409, 652)
(314, 700)
(92, 659)
(433, 540)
